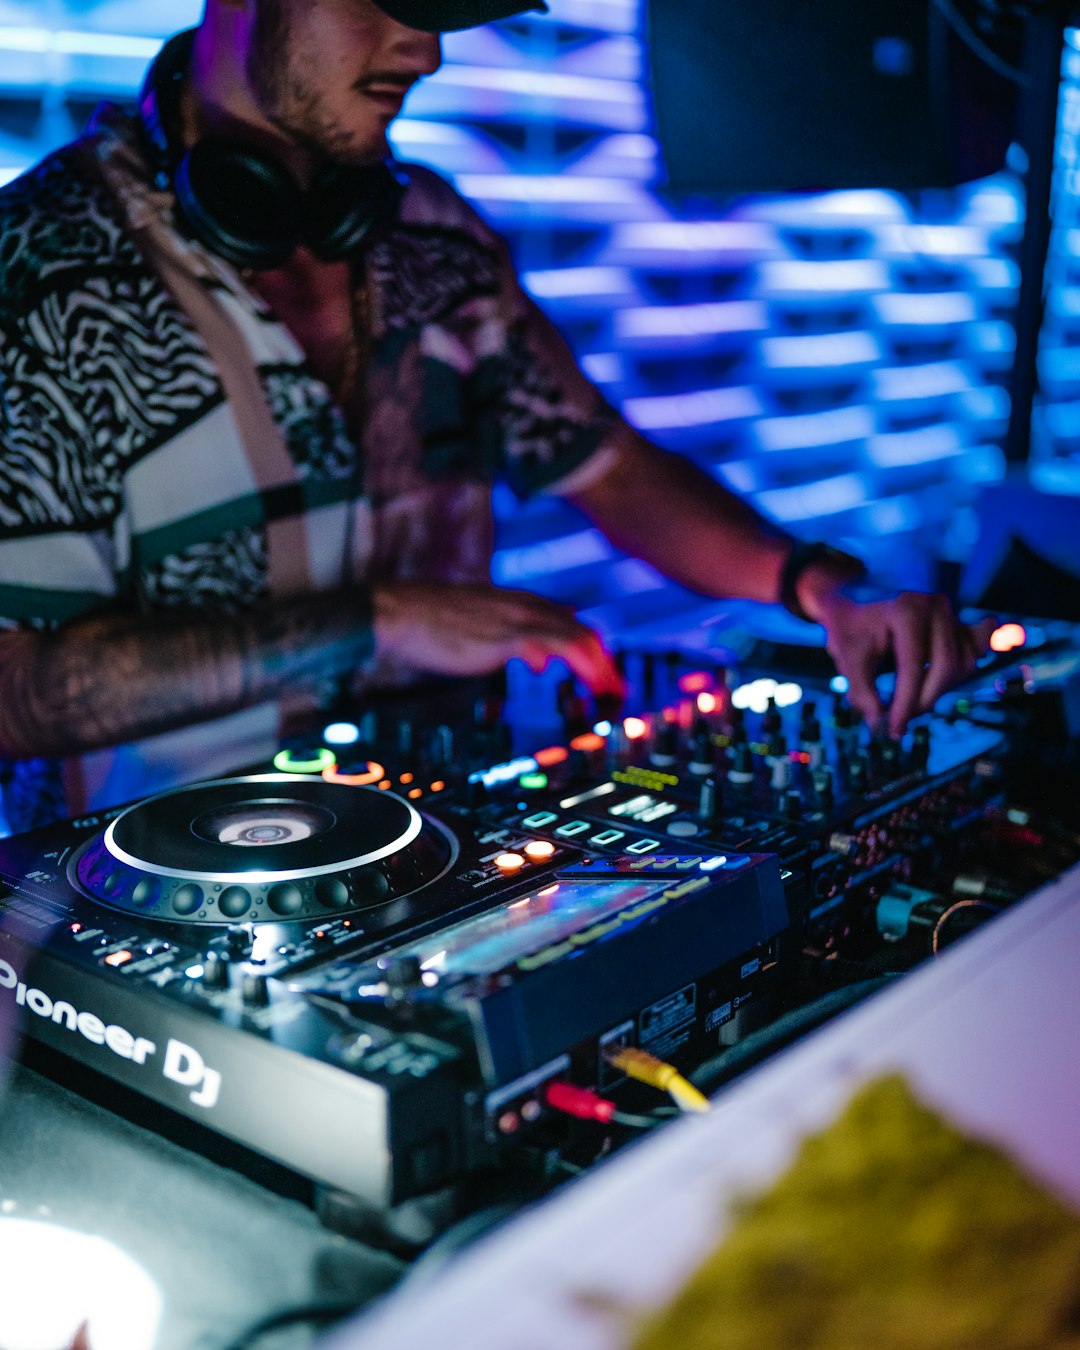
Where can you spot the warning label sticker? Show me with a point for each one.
(658, 1022)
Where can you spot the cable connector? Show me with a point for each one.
(578, 1102)
(646, 1068)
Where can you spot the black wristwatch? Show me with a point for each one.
(807, 553)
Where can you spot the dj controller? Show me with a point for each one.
(390, 959)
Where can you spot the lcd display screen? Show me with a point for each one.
(492, 941)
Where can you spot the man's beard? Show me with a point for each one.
(292, 104)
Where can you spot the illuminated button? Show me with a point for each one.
(683, 829)
(385, 785)
(711, 864)
(588, 743)
(1008, 637)
(533, 782)
(440, 786)
(572, 828)
(341, 733)
(541, 819)
(406, 779)
(416, 793)
(365, 778)
(539, 850)
(707, 703)
(118, 958)
(509, 862)
(635, 728)
(305, 761)
(554, 754)
(644, 846)
(608, 837)
(603, 728)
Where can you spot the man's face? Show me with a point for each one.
(332, 74)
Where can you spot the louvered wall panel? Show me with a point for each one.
(842, 358)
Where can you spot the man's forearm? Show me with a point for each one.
(662, 508)
(106, 680)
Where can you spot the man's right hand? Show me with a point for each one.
(473, 630)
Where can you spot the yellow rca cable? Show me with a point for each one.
(646, 1068)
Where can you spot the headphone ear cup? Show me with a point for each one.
(243, 206)
(348, 203)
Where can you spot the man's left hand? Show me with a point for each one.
(931, 648)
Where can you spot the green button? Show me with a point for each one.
(287, 762)
(533, 782)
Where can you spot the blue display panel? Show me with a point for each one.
(494, 941)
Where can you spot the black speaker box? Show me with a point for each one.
(782, 95)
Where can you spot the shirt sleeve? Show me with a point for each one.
(504, 391)
(554, 421)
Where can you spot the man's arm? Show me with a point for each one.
(664, 509)
(106, 680)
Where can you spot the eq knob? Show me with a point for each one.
(216, 969)
(255, 990)
(665, 746)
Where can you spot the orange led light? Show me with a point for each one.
(407, 778)
(385, 785)
(588, 743)
(416, 793)
(707, 703)
(635, 728)
(371, 774)
(1008, 637)
(539, 850)
(118, 958)
(438, 787)
(554, 754)
(509, 862)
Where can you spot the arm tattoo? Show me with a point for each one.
(106, 680)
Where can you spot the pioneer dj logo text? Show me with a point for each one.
(181, 1063)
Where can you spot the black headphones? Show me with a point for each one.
(243, 204)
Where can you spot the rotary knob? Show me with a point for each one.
(216, 969)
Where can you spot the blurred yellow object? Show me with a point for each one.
(891, 1230)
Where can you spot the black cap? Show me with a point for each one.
(446, 16)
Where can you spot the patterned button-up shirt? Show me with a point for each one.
(166, 446)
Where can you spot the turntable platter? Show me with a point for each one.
(265, 848)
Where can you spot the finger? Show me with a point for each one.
(590, 661)
(950, 658)
(860, 668)
(979, 635)
(535, 654)
(910, 638)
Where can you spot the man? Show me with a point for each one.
(226, 489)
